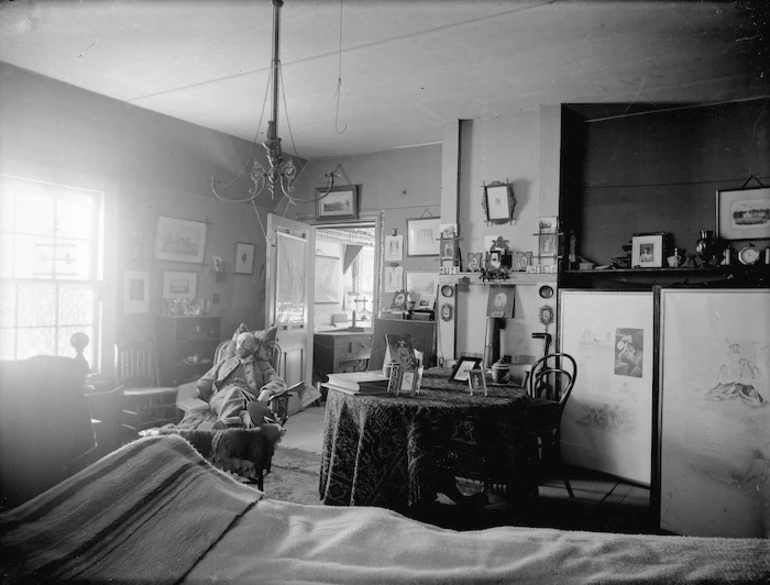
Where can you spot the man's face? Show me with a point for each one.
(244, 345)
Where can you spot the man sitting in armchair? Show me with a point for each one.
(239, 389)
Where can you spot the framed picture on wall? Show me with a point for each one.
(498, 202)
(136, 292)
(179, 285)
(180, 240)
(340, 203)
(422, 236)
(244, 258)
(743, 214)
(394, 248)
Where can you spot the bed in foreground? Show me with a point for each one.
(156, 512)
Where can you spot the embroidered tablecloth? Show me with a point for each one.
(388, 450)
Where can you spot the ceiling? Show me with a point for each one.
(364, 76)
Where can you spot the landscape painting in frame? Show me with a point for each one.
(180, 240)
(607, 423)
(715, 418)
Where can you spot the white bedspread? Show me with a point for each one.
(157, 512)
(281, 542)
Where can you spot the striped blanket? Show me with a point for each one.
(145, 513)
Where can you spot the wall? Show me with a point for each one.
(147, 165)
(515, 149)
(660, 170)
(406, 183)
(401, 184)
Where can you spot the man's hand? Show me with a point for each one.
(265, 396)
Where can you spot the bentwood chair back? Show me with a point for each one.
(549, 385)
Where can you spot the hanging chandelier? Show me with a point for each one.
(281, 172)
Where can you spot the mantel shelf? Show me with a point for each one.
(513, 278)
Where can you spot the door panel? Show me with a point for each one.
(289, 293)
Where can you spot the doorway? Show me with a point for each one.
(346, 275)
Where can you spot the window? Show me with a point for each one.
(50, 247)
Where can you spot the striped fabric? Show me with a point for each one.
(173, 507)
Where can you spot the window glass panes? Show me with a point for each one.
(36, 303)
(7, 344)
(34, 214)
(35, 341)
(74, 217)
(7, 304)
(76, 304)
(72, 258)
(6, 255)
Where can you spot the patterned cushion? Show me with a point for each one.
(265, 343)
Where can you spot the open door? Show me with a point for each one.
(289, 294)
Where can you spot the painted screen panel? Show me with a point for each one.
(715, 420)
(607, 423)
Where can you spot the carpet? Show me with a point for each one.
(294, 476)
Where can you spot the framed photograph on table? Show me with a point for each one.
(180, 240)
(743, 214)
(244, 258)
(477, 383)
(179, 285)
(340, 203)
(422, 236)
(464, 365)
(647, 251)
(136, 292)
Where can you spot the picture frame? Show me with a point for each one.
(422, 286)
(501, 302)
(395, 378)
(136, 292)
(607, 423)
(498, 202)
(409, 379)
(713, 436)
(475, 261)
(422, 236)
(462, 368)
(394, 248)
(244, 258)
(647, 251)
(477, 382)
(449, 251)
(548, 225)
(743, 214)
(523, 260)
(393, 277)
(547, 245)
(179, 285)
(180, 240)
(399, 301)
(341, 203)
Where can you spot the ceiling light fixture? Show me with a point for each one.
(282, 171)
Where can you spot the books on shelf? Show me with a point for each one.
(360, 382)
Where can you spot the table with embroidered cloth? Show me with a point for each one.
(394, 451)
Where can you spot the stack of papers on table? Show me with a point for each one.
(359, 382)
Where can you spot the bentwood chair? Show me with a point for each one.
(549, 385)
(144, 404)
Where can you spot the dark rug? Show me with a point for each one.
(294, 476)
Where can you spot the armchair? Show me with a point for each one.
(196, 411)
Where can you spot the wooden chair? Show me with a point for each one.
(144, 404)
(549, 385)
